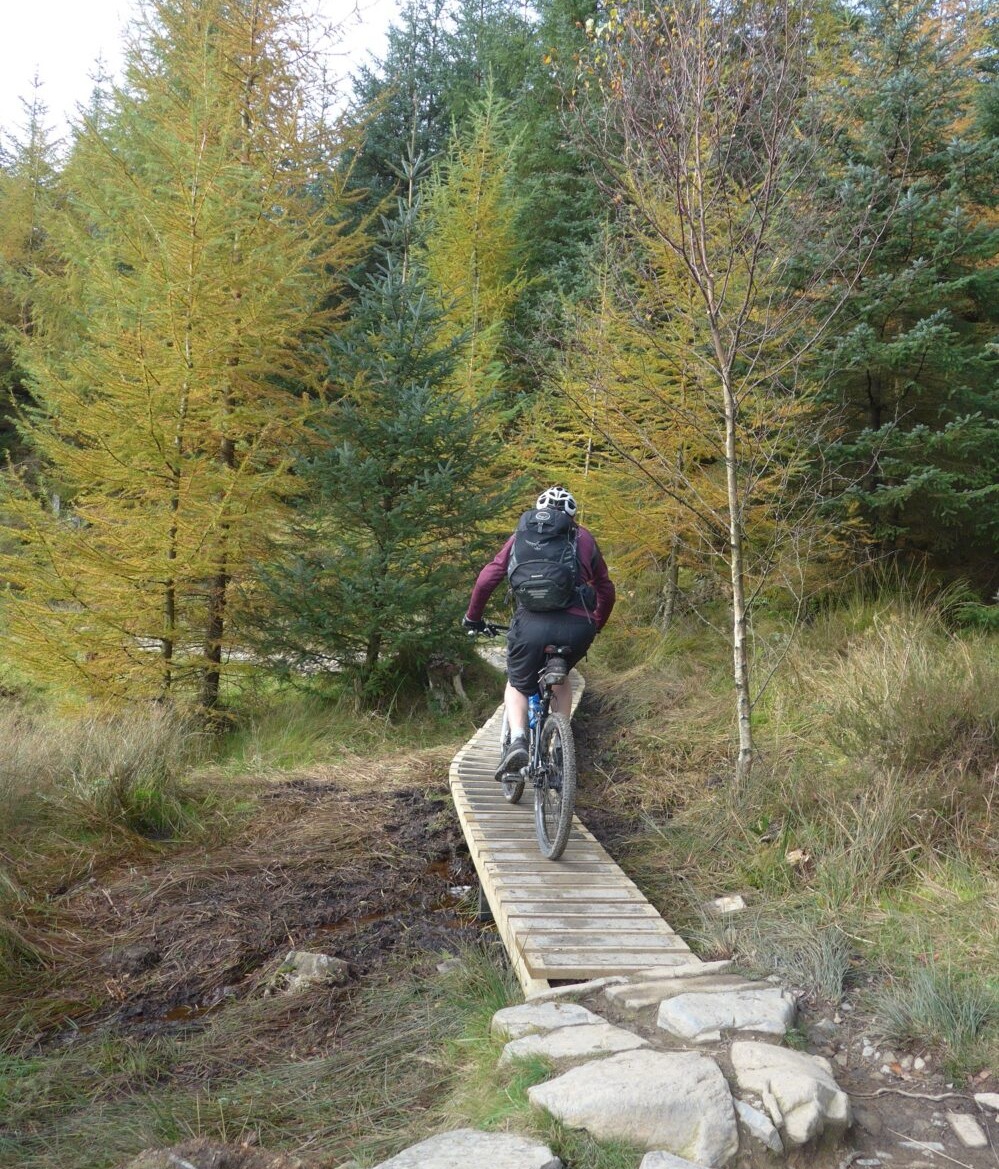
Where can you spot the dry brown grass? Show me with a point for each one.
(871, 801)
(337, 842)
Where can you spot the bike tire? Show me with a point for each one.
(555, 787)
(513, 789)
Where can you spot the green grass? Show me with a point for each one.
(935, 1007)
(866, 834)
(288, 729)
(98, 771)
(387, 1079)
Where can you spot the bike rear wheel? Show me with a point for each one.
(513, 789)
(555, 786)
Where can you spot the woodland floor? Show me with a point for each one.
(364, 862)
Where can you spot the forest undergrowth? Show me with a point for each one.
(152, 879)
(866, 844)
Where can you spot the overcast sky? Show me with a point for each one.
(63, 39)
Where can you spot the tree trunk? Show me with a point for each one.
(214, 630)
(218, 592)
(671, 588)
(740, 653)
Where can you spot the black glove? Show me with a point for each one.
(477, 626)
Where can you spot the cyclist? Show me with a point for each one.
(570, 614)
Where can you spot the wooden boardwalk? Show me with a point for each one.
(562, 921)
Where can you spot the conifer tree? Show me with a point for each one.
(202, 233)
(471, 250)
(441, 58)
(374, 571)
(28, 178)
(560, 210)
(912, 361)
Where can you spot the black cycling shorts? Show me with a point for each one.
(531, 632)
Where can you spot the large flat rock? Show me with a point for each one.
(677, 1102)
(647, 994)
(704, 1016)
(529, 1018)
(586, 1041)
(467, 1147)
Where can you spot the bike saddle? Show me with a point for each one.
(556, 669)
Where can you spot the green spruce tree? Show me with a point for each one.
(373, 574)
(28, 192)
(912, 364)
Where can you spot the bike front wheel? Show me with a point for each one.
(555, 786)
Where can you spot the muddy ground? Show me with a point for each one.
(364, 871)
(365, 862)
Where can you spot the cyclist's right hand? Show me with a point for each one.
(478, 626)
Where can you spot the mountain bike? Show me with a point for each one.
(551, 762)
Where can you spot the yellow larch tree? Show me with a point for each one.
(471, 251)
(171, 356)
(703, 146)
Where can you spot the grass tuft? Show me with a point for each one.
(937, 1007)
(100, 771)
(910, 694)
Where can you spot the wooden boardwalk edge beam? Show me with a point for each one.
(569, 920)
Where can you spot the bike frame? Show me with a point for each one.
(552, 822)
(533, 769)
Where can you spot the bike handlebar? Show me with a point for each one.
(489, 629)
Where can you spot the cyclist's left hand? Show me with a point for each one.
(478, 626)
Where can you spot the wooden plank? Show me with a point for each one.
(585, 923)
(594, 872)
(633, 941)
(582, 964)
(571, 919)
(582, 851)
(612, 898)
(512, 850)
(605, 910)
(571, 886)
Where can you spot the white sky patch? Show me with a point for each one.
(63, 40)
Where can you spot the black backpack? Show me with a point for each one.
(543, 569)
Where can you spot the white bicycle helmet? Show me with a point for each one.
(558, 497)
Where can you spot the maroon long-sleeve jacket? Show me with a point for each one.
(593, 571)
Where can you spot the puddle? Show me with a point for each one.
(191, 1013)
(352, 924)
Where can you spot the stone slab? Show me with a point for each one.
(967, 1130)
(530, 1018)
(693, 966)
(586, 1041)
(797, 1089)
(646, 994)
(759, 1126)
(678, 1102)
(466, 1147)
(703, 1017)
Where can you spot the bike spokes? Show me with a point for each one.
(555, 786)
